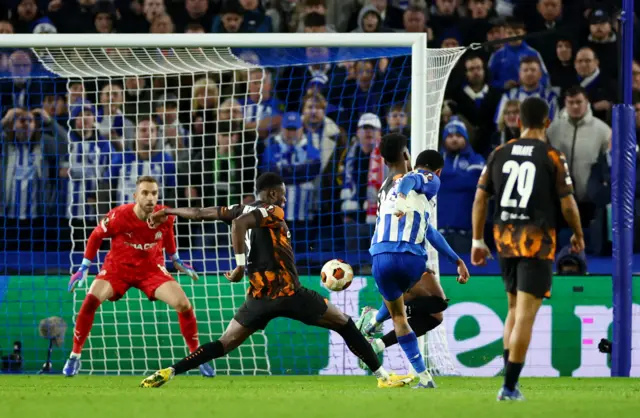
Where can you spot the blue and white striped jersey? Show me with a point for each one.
(23, 188)
(406, 234)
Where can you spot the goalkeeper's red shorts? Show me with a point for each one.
(122, 279)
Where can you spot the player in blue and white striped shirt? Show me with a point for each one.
(398, 246)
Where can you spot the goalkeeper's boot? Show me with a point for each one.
(158, 379)
(510, 395)
(206, 370)
(71, 367)
(367, 322)
(395, 381)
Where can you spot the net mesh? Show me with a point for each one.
(205, 122)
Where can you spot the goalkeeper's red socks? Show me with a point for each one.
(189, 329)
(84, 322)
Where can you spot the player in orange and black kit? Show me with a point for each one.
(261, 241)
(528, 179)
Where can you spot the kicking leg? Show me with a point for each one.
(234, 335)
(173, 295)
(99, 291)
(336, 320)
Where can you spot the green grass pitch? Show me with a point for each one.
(312, 396)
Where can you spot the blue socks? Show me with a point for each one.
(383, 314)
(409, 344)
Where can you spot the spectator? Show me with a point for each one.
(530, 81)
(291, 155)
(548, 16)
(601, 90)
(362, 171)
(581, 138)
(262, 109)
(505, 63)
(602, 41)
(508, 126)
(397, 121)
(104, 18)
(194, 28)
(391, 16)
(459, 177)
(414, 20)
(225, 172)
(369, 20)
(21, 90)
(320, 6)
(255, 20)
(30, 19)
(562, 69)
(151, 10)
(477, 101)
(569, 263)
(636, 77)
(478, 23)
(162, 24)
(205, 99)
(85, 164)
(137, 96)
(200, 12)
(230, 19)
(231, 110)
(110, 121)
(29, 150)
(315, 23)
(73, 16)
(323, 133)
(147, 159)
(362, 95)
(445, 20)
(173, 135)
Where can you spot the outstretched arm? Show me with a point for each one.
(213, 213)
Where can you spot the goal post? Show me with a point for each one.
(203, 113)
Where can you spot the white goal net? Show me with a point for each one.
(205, 121)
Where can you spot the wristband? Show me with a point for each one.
(241, 260)
(478, 243)
(175, 257)
(86, 262)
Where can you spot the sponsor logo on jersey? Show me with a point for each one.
(102, 273)
(144, 247)
(158, 235)
(430, 175)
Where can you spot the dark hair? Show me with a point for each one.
(430, 159)
(268, 181)
(313, 20)
(576, 90)
(396, 107)
(392, 146)
(516, 24)
(530, 59)
(534, 111)
(227, 127)
(311, 3)
(231, 6)
(146, 179)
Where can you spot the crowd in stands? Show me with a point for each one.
(72, 148)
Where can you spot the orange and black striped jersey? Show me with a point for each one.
(528, 178)
(270, 259)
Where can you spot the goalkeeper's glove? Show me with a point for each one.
(184, 267)
(79, 277)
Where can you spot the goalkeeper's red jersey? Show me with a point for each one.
(134, 244)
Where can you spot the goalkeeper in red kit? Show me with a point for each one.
(136, 259)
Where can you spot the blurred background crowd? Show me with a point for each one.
(73, 148)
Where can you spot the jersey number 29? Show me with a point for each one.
(522, 176)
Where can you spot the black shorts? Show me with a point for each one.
(305, 306)
(529, 275)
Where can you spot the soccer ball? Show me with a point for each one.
(336, 275)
